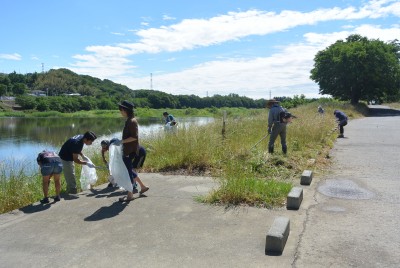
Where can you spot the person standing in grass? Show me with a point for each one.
(69, 154)
(276, 126)
(130, 148)
(50, 166)
(341, 118)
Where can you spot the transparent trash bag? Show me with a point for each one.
(88, 176)
(118, 169)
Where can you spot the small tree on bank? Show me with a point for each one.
(358, 69)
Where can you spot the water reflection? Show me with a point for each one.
(21, 139)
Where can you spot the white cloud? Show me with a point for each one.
(285, 73)
(166, 17)
(115, 33)
(14, 56)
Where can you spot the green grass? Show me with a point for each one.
(139, 112)
(18, 190)
(246, 174)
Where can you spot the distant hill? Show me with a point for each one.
(48, 91)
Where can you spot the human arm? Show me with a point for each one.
(103, 155)
(75, 158)
(129, 139)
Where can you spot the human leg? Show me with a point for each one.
(132, 175)
(69, 175)
(45, 186)
(282, 134)
(272, 137)
(143, 188)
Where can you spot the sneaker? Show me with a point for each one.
(57, 198)
(45, 200)
(135, 191)
(341, 136)
(73, 191)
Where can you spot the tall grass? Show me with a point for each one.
(246, 174)
(17, 189)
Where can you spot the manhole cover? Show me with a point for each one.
(345, 189)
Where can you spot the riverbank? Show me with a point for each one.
(139, 113)
(246, 175)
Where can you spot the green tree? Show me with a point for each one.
(358, 69)
(26, 102)
(42, 104)
(3, 89)
(19, 89)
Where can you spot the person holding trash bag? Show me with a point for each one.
(69, 154)
(50, 166)
(130, 146)
(137, 161)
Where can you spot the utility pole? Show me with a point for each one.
(151, 81)
(42, 68)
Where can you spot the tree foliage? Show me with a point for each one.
(58, 85)
(358, 69)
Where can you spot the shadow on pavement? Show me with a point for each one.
(107, 212)
(382, 111)
(103, 192)
(35, 208)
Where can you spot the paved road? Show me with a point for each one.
(354, 218)
(348, 218)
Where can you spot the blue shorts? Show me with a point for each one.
(51, 168)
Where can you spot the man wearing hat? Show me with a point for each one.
(276, 126)
(69, 153)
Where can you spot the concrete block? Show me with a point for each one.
(306, 177)
(294, 198)
(277, 236)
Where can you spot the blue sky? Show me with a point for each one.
(253, 48)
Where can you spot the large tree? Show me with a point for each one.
(358, 69)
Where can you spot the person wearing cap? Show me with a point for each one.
(341, 118)
(69, 154)
(130, 142)
(276, 126)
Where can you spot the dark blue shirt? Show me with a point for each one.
(340, 116)
(72, 146)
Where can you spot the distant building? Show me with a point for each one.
(38, 93)
(72, 94)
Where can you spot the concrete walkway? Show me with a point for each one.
(165, 229)
(354, 214)
(348, 218)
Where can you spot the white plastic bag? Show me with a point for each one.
(118, 169)
(88, 176)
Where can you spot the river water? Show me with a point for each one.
(21, 139)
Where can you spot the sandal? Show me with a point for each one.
(145, 189)
(125, 199)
